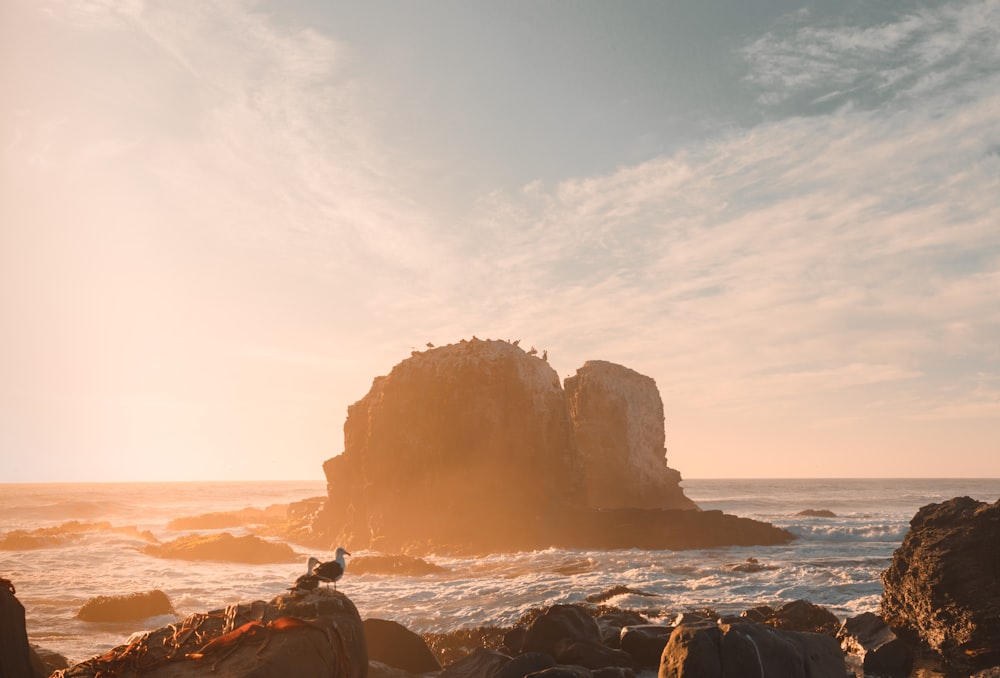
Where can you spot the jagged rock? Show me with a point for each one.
(275, 513)
(618, 419)
(645, 643)
(455, 432)
(802, 615)
(880, 650)
(944, 582)
(315, 634)
(223, 547)
(749, 651)
(393, 644)
(129, 607)
(479, 663)
(15, 656)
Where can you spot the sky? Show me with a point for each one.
(220, 220)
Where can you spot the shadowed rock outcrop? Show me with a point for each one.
(314, 634)
(618, 419)
(944, 582)
(473, 447)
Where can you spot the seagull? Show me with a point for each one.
(332, 570)
(309, 581)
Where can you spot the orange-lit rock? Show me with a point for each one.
(618, 418)
(469, 443)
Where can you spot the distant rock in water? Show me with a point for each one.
(275, 513)
(618, 420)
(66, 533)
(129, 607)
(476, 447)
(395, 565)
(223, 547)
(944, 582)
(817, 513)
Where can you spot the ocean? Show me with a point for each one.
(835, 561)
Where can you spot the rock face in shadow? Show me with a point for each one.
(618, 420)
(473, 447)
(314, 634)
(944, 582)
(127, 607)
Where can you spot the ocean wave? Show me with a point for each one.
(849, 533)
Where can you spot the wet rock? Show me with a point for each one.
(395, 645)
(481, 662)
(692, 650)
(296, 634)
(399, 565)
(223, 547)
(645, 643)
(591, 654)
(943, 584)
(880, 650)
(620, 590)
(817, 513)
(129, 607)
(618, 420)
(749, 565)
(45, 661)
(453, 645)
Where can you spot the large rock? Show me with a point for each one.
(881, 651)
(223, 547)
(944, 582)
(471, 448)
(749, 651)
(318, 634)
(618, 418)
(466, 444)
(393, 644)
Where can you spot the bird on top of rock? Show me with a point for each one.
(332, 570)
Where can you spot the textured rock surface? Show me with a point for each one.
(881, 651)
(944, 582)
(317, 634)
(393, 644)
(471, 448)
(476, 431)
(126, 607)
(618, 418)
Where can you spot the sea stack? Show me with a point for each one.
(618, 420)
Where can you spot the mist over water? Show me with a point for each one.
(836, 562)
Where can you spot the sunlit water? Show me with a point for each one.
(835, 562)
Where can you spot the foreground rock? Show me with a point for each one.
(473, 447)
(15, 655)
(618, 420)
(881, 651)
(317, 634)
(944, 582)
(223, 547)
(749, 651)
(129, 607)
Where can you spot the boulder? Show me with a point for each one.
(943, 584)
(618, 420)
(749, 651)
(223, 547)
(394, 644)
(398, 565)
(128, 607)
(801, 615)
(526, 664)
(817, 513)
(15, 655)
(645, 643)
(315, 634)
(558, 627)
(479, 663)
(880, 650)
(591, 654)
(447, 437)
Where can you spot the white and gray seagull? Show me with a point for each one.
(317, 571)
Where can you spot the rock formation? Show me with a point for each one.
(618, 419)
(314, 634)
(473, 447)
(469, 443)
(944, 582)
(128, 607)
